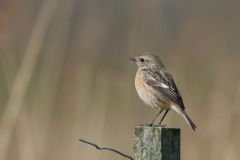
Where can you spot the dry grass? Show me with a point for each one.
(64, 75)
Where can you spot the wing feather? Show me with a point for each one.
(162, 81)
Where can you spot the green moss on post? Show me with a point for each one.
(156, 143)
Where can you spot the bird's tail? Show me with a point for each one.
(189, 121)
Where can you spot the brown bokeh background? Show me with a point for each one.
(65, 74)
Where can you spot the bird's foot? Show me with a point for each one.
(159, 125)
(150, 125)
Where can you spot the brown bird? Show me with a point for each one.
(156, 87)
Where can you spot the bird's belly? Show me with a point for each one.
(149, 95)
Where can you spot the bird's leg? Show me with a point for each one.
(159, 124)
(163, 116)
(151, 123)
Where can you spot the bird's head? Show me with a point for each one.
(146, 60)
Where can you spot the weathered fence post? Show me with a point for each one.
(156, 143)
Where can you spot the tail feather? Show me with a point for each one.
(189, 121)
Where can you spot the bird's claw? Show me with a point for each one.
(150, 124)
(159, 125)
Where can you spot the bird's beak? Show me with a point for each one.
(132, 58)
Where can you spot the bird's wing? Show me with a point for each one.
(162, 81)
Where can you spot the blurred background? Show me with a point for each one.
(65, 74)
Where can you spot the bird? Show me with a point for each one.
(156, 88)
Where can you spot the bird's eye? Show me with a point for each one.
(142, 60)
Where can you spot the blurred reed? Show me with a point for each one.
(18, 91)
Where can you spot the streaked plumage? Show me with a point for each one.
(156, 87)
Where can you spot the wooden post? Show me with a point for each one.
(156, 143)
